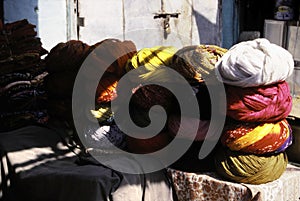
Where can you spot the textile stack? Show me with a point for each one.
(110, 57)
(22, 72)
(63, 64)
(256, 133)
(194, 64)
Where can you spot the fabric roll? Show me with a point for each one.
(188, 124)
(104, 137)
(255, 63)
(268, 103)
(106, 89)
(249, 168)
(151, 65)
(109, 56)
(103, 114)
(67, 56)
(151, 58)
(197, 63)
(256, 138)
(149, 145)
(287, 143)
(60, 84)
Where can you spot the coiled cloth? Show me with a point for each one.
(257, 138)
(249, 168)
(254, 63)
(259, 104)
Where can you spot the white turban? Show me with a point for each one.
(254, 63)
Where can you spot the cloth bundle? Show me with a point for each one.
(249, 168)
(63, 63)
(257, 138)
(258, 102)
(267, 103)
(149, 64)
(197, 63)
(111, 55)
(22, 73)
(255, 63)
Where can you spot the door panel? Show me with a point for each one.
(102, 19)
(144, 21)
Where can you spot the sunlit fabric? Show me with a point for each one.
(256, 138)
(150, 65)
(254, 63)
(264, 103)
(197, 63)
(250, 168)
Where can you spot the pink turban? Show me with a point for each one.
(264, 104)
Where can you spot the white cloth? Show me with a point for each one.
(254, 63)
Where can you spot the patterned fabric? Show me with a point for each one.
(209, 186)
(256, 138)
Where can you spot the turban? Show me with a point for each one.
(151, 58)
(106, 55)
(254, 63)
(249, 168)
(252, 104)
(150, 65)
(197, 62)
(257, 138)
(149, 145)
(67, 56)
(187, 124)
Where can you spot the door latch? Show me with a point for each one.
(166, 23)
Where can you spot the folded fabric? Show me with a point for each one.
(151, 58)
(249, 168)
(254, 63)
(265, 103)
(188, 124)
(197, 62)
(256, 138)
(151, 65)
(103, 114)
(149, 145)
(60, 84)
(111, 56)
(67, 56)
(104, 137)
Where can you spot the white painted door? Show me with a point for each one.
(148, 22)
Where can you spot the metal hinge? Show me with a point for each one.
(80, 21)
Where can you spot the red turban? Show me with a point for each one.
(268, 103)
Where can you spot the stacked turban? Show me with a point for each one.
(22, 73)
(258, 102)
(196, 64)
(149, 64)
(255, 63)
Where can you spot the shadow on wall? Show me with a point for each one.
(209, 33)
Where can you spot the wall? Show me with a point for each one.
(50, 17)
(56, 20)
